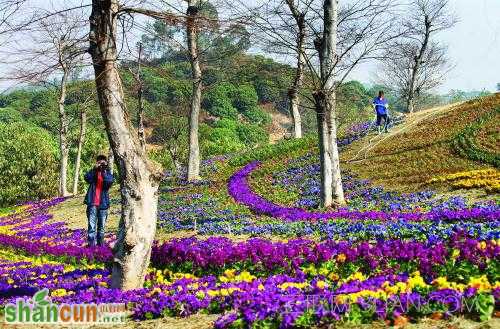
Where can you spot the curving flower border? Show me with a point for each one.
(239, 189)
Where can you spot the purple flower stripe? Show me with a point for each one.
(240, 190)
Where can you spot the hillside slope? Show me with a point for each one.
(422, 148)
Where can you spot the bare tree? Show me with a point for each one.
(8, 10)
(349, 35)
(293, 92)
(82, 103)
(81, 140)
(139, 178)
(415, 64)
(193, 169)
(57, 50)
(280, 27)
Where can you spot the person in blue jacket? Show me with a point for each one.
(381, 109)
(100, 180)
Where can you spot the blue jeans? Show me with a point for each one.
(96, 221)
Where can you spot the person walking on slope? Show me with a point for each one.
(100, 180)
(381, 109)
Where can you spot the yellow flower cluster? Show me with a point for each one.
(60, 293)
(480, 283)
(323, 270)
(387, 290)
(489, 179)
(222, 292)
(231, 276)
(298, 285)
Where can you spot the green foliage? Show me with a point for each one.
(220, 139)
(28, 163)
(172, 134)
(251, 134)
(218, 101)
(10, 115)
(273, 150)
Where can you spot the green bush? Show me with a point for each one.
(251, 134)
(219, 140)
(28, 163)
(10, 115)
(218, 102)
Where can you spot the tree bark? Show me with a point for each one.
(410, 103)
(293, 93)
(111, 160)
(140, 103)
(81, 139)
(325, 156)
(63, 136)
(193, 170)
(139, 179)
(325, 103)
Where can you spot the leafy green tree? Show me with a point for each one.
(28, 163)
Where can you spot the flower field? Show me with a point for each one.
(250, 246)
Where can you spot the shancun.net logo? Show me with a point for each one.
(40, 309)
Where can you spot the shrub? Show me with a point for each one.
(10, 115)
(251, 134)
(218, 101)
(219, 140)
(28, 163)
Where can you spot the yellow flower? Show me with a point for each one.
(333, 276)
(298, 285)
(481, 283)
(10, 281)
(261, 287)
(59, 293)
(321, 284)
(341, 258)
(230, 273)
(103, 284)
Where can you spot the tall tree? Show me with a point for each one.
(326, 45)
(193, 170)
(415, 63)
(139, 178)
(348, 36)
(280, 27)
(56, 50)
(293, 92)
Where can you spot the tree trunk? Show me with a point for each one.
(193, 170)
(81, 139)
(416, 65)
(410, 104)
(111, 160)
(325, 156)
(337, 188)
(139, 179)
(140, 110)
(326, 109)
(63, 137)
(293, 93)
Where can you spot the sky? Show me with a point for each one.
(473, 45)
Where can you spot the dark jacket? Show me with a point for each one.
(107, 181)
